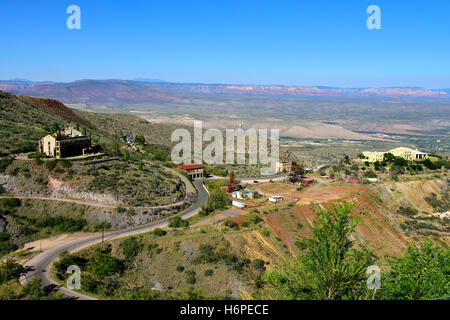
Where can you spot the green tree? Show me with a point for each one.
(102, 264)
(388, 157)
(131, 248)
(421, 273)
(333, 267)
(140, 139)
(33, 290)
(9, 269)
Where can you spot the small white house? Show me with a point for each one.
(250, 194)
(238, 195)
(372, 179)
(238, 204)
(275, 199)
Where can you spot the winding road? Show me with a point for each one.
(39, 266)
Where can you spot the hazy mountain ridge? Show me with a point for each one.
(130, 91)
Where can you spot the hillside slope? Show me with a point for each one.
(24, 120)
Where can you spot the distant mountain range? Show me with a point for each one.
(143, 90)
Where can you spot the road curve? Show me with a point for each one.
(39, 266)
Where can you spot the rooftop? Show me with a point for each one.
(190, 166)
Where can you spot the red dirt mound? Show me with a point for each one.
(56, 108)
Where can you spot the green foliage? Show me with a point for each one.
(34, 290)
(159, 232)
(126, 155)
(7, 247)
(252, 218)
(50, 164)
(14, 270)
(333, 267)
(5, 162)
(194, 294)
(65, 260)
(218, 198)
(370, 174)
(230, 223)
(62, 223)
(139, 139)
(389, 157)
(259, 265)
(11, 203)
(102, 264)
(400, 162)
(407, 211)
(131, 247)
(190, 277)
(422, 273)
(180, 268)
(177, 222)
(209, 272)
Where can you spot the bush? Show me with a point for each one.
(14, 271)
(62, 223)
(130, 248)
(50, 164)
(102, 264)
(252, 218)
(209, 272)
(180, 268)
(7, 247)
(190, 277)
(159, 232)
(230, 223)
(259, 265)
(178, 222)
(11, 203)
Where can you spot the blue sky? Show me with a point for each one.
(243, 42)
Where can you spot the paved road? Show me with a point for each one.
(39, 266)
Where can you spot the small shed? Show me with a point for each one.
(354, 181)
(275, 199)
(307, 181)
(238, 204)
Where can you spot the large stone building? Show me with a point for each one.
(409, 154)
(373, 156)
(62, 146)
(283, 166)
(405, 153)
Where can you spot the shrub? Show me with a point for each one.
(50, 164)
(14, 270)
(11, 203)
(159, 232)
(259, 265)
(178, 222)
(130, 248)
(180, 268)
(190, 277)
(102, 264)
(230, 223)
(209, 272)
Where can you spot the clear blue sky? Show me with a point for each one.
(244, 42)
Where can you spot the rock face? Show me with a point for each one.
(3, 224)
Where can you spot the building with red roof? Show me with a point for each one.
(194, 171)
